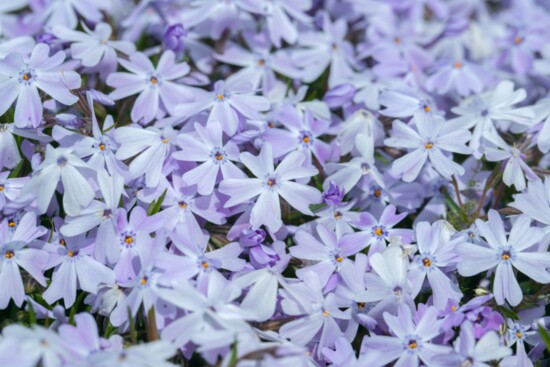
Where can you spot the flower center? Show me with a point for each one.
(261, 62)
(62, 242)
(378, 231)
(9, 254)
(361, 306)
(339, 259)
(128, 239)
(453, 308)
(427, 262)
(1, 188)
(377, 193)
(12, 223)
(519, 335)
(458, 65)
(144, 280)
(429, 145)
(427, 108)
(518, 40)
(72, 253)
(412, 344)
(101, 146)
(397, 40)
(154, 80)
(204, 265)
(218, 156)
(107, 214)
(326, 313)
(271, 182)
(398, 291)
(62, 161)
(338, 215)
(182, 204)
(506, 255)
(220, 97)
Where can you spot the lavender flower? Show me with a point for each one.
(269, 184)
(21, 80)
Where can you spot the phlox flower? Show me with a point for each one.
(411, 340)
(405, 102)
(302, 133)
(226, 103)
(213, 320)
(60, 163)
(95, 48)
(10, 188)
(468, 352)
(428, 141)
(16, 255)
(460, 76)
(20, 79)
(435, 249)
(515, 169)
(505, 254)
(102, 215)
(158, 93)
(151, 354)
(210, 150)
(75, 268)
(269, 184)
(153, 146)
(323, 49)
(66, 12)
(329, 253)
(535, 201)
(319, 313)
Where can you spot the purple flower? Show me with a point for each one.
(411, 341)
(66, 13)
(460, 76)
(516, 251)
(62, 164)
(329, 254)
(210, 150)
(435, 249)
(95, 48)
(22, 79)
(158, 93)
(333, 195)
(16, 255)
(75, 268)
(227, 103)
(468, 352)
(269, 184)
(535, 202)
(174, 37)
(431, 138)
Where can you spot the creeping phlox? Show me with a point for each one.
(274, 183)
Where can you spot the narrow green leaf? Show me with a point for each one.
(234, 355)
(545, 337)
(17, 170)
(77, 303)
(154, 208)
(32, 314)
(508, 313)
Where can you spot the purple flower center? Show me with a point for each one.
(61, 161)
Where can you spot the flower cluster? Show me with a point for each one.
(274, 182)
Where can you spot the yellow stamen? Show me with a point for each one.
(505, 256)
(453, 308)
(413, 345)
(519, 335)
(326, 313)
(361, 305)
(183, 205)
(70, 253)
(306, 139)
(220, 97)
(518, 40)
(270, 182)
(378, 231)
(12, 223)
(143, 281)
(427, 262)
(154, 80)
(458, 65)
(128, 239)
(62, 242)
(101, 147)
(339, 259)
(26, 77)
(219, 156)
(337, 215)
(1, 188)
(427, 109)
(397, 40)
(9, 254)
(165, 140)
(377, 193)
(205, 265)
(261, 62)
(428, 145)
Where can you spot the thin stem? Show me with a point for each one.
(457, 191)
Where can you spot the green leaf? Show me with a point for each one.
(32, 314)
(154, 208)
(17, 170)
(234, 356)
(508, 313)
(545, 337)
(77, 303)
